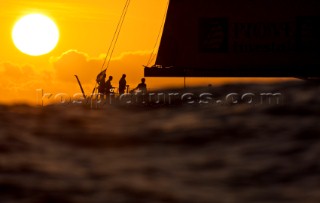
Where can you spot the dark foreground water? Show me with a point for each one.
(217, 152)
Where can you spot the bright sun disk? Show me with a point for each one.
(35, 34)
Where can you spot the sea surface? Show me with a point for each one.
(226, 144)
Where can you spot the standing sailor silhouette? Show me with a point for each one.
(122, 84)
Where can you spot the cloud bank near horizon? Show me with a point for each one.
(18, 83)
(75, 62)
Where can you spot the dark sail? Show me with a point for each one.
(101, 76)
(232, 38)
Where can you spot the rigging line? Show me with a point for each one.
(124, 16)
(112, 44)
(115, 34)
(160, 31)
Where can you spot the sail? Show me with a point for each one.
(230, 38)
(101, 76)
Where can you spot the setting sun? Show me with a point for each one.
(35, 34)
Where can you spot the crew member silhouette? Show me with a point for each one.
(109, 88)
(102, 85)
(122, 84)
(142, 87)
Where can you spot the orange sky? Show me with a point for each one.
(86, 29)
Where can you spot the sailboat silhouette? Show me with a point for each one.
(247, 38)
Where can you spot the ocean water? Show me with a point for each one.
(235, 145)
